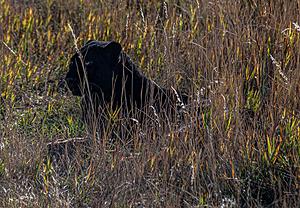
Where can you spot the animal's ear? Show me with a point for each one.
(113, 49)
(90, 41)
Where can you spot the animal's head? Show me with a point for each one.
(93, 65)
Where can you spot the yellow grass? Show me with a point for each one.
(239, 146)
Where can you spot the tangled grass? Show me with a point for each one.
(241, 150)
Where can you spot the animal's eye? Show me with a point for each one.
(87, 63)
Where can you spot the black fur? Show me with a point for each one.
(112, 78)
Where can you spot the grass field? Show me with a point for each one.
(238, 147)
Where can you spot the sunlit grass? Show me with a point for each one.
(239, 143)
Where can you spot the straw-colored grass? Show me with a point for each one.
(239, 146)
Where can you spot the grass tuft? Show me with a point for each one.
(236, 146)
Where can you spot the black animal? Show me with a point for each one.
(106, 77)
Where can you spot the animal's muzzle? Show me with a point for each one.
(74, 86)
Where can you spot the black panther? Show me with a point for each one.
(104, 75)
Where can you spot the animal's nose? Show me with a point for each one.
(62, 84)
(73, 86)
(69, 82)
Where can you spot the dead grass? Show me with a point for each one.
(241, 150)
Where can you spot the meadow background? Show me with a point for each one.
(241, 58)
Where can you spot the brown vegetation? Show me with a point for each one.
(240, 57)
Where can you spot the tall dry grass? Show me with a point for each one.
(240, 150)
